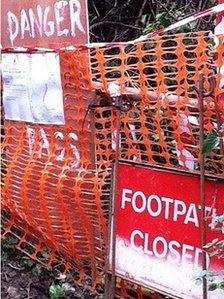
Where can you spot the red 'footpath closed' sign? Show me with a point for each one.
(158, 229)
(44, 23)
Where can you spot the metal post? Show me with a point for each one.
(110, 283)
(202, 179)
(114, 204)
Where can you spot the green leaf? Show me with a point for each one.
(198, 281)
(221, 285)
(211, 141)
(55, 291)
(212, 286)
(160, 15)
(37, 269)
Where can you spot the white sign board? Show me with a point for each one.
(32, 90)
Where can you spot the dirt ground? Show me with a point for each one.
(23, 278)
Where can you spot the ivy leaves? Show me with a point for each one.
(55, 291)
(210, 143)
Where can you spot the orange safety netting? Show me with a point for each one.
(162, 128)
(57, 179)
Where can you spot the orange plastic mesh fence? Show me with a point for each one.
(50, 183)
(56, 179)
(162, 127)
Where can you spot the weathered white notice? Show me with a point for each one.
(32, 90)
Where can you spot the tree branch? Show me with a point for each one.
(167, 10)
(140, 12)
(113, 23)
(113, 8)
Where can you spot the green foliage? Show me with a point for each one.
(211, 278)
(120, 20)
(213, 286)
(9, 242)
(55, 291)
(214, 248)
(165, 18)
(36, 269)
(210, 143)
(162, 20)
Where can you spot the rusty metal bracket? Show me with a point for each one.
(210, 91)
(122, 103)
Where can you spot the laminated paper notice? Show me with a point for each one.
(32, 90)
